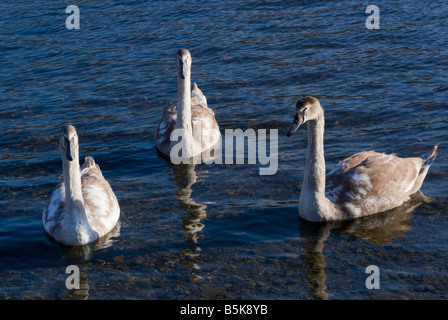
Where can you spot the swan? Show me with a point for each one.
(83, 206)
(200, 131)
(363, 184)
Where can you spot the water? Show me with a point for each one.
(221, 231)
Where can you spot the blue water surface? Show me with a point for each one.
(221, 231)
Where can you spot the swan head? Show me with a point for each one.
(183, 63)
(68, 142)
(307, 109)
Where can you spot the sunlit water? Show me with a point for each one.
(221, 231)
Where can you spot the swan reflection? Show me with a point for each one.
(185, 177)
(377, 229)
(80, 255)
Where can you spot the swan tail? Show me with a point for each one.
(429, 158)
(197, 93)
(89, 162)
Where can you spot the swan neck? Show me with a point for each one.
(313, 204)
(315, 160)
(184, 107)
(73, 192)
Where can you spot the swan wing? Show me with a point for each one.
(205, 128)
(372, 182)
(203, 120)
(165, 127)
(100, 202)
(53, 214)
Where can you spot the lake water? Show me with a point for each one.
(221, 231)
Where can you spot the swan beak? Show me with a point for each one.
(182, 69)
(70, 151)
(295, 125)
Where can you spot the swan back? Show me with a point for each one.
(100, 202)
(370, 182)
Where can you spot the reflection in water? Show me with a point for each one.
(185, 177)
(79, 255)
(313, 235)
(378, 229)
(79, 294)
